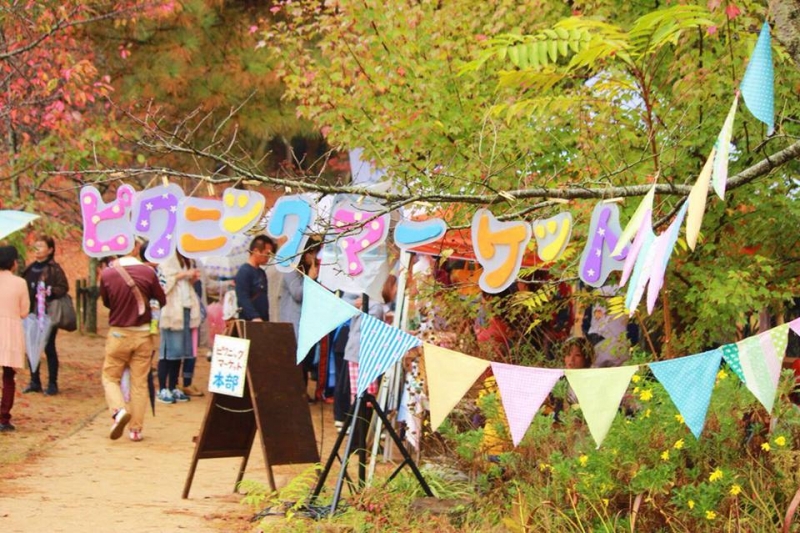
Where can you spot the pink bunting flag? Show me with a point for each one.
(795, 325)
(523, 390)
(663, 247)
(640, 245)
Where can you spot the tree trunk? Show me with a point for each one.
(786, 25)
(92, 296)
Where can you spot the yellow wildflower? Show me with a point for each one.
(735, 490)
(678, 444)
(665, 455)
(605, 502)
(780, 441)
(636, 378)
(636, 390)
(765, 446)
(690, 503)
(710, 515)
(716, 475)
(722, 374)
(647, 414)
(543, 467)
(583, 459)
(646, 395)
(680, 419)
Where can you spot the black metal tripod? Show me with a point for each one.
(355, 427)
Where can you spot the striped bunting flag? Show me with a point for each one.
(381, 347)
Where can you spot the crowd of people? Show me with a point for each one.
(156, 314)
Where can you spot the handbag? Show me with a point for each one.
(62, 313)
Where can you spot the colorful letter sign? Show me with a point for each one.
(596, 260)
(107, 228)
(291, 218)
(499, 248)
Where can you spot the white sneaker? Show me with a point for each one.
(165, 396)
(121, 419)
(179, 396)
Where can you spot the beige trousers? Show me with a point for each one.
(132, 348)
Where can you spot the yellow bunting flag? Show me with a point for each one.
(450, 375)
(697, 201)
(635, 222)
(599, 392)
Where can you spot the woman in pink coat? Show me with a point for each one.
(12, 338)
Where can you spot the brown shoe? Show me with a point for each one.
(192, 390)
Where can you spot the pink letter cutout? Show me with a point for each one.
(369, 236)
(107, 228)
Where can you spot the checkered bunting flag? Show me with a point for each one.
(523, 390)
(381, 347)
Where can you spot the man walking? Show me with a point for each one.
(252, 293)
(126, 288)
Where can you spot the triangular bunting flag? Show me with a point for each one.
(450, 374)
(523, 390)
(635, 223)
(761, 363)
(697, 202)
(651, 261)
(795, 325)
(321, 312)
(689, 382)
(730, 352)
(599, 392)
(719, 175)
(381, 347)
(644, 239)
(758, 84)
(665, 244)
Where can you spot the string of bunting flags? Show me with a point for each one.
(689, 381)
(499, 247)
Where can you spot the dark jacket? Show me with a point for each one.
(51, 274)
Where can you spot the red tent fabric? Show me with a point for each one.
(460, 242)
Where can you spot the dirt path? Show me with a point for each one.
(61, 473)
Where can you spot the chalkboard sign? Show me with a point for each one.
(274, 405)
